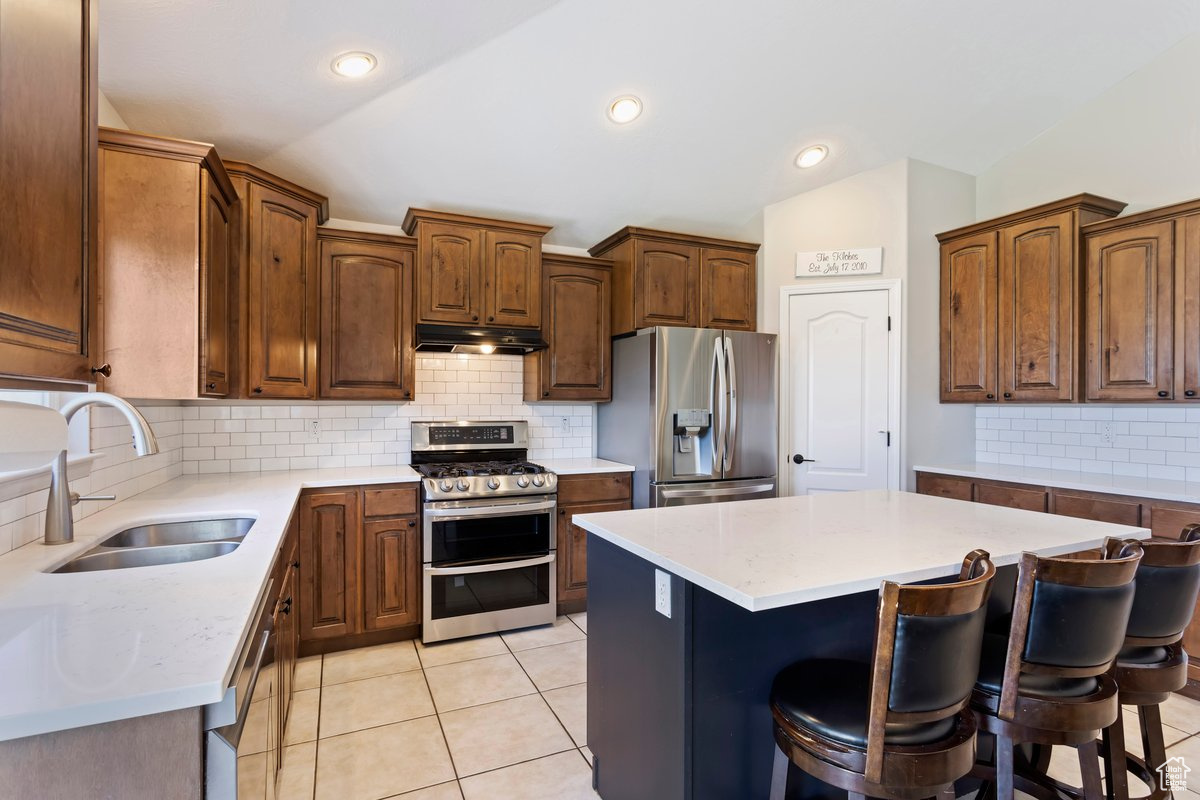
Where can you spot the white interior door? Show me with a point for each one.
(840, 390)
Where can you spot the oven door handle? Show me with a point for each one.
(449, 514)
(498, 567)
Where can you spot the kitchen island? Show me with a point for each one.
(677, 705)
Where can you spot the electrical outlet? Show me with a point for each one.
(1106, 432)
(314, 429)
(662, 593)
(564, 426)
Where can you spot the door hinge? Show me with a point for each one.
(889, 322)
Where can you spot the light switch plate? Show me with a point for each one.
(662, 593)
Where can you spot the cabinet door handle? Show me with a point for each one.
(258, 390)
(412, 523)
(491, 319)
(1190, 393)
(296, 564)
(991, 396)
(1163, 394)
(212, 387)
(1008, 395)
(562, 512)
(103, 369)
(475, 318)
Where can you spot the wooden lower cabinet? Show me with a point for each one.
(1164, 518)
(391, 573)
(360, 566)
(583, 494)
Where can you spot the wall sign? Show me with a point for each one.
(820, 263)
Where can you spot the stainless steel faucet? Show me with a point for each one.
(60, 527)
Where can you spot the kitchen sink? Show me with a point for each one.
(173, 533)
(163, 543)
(97, 559)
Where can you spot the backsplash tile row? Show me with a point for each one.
(250, 436)
(247, 436)
(119, 471)
(1142, 441)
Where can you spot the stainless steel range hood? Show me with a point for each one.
(485, 341)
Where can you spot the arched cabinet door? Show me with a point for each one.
(666, 277)
(969, 319)
(512, 279)
(449, 285)
(727, 289)
(577, 298)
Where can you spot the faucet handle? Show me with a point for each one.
(75, 498)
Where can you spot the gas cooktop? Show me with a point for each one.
(463, 460)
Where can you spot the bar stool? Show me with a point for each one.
(1048, 681)
(897, 727)
(1152, 664)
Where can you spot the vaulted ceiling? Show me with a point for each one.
(498, 106)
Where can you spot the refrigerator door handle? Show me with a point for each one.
(732, 421)
(718, 387)
(757, 488)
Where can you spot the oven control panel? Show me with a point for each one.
(478, 436)
(464, 488)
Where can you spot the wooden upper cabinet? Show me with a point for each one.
(1187, 292)
(280, 283)
(330, 540)
(48, 170)
(366, 348)
(665, 280)
(476, 271)
(576, 298)
(512, 279)
(968, 305)
(1010, 307)
(449, 280)
(1038, 309)
(728, 298)
(675, 279)
(167, 212)
(1130, 309)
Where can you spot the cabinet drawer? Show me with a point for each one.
(390, 502)
(591, 488)
(1011, 496)
(941, 486)
(1100, 509)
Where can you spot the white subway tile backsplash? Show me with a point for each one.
(1153, 442)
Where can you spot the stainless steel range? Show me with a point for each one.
(489, 537)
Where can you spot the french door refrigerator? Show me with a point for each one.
(694, 411)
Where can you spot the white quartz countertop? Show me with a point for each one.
(763, 554)
(581, 466)
(1155, 488)
(84, 648)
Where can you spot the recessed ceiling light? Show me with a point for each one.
(811, 156)
(624, 109)
(354, 65)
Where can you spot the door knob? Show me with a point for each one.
(799, 459)
(103, 369)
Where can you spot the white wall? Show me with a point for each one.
(1138, 142)
(109, 117)
(898, 207)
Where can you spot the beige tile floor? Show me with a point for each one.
(495, 717)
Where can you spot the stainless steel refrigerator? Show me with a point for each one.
(694, 411)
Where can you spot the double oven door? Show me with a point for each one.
(489, 566)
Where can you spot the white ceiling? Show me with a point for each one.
(497, 106)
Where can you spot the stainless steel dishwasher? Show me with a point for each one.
(241, 730)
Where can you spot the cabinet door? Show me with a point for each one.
(329, 555)
(283, 656)
(665, 290)
(366, 321)
(968, 300)
(572, 548)
(512, 279)
(727, 290)
(216, 264)
(283, 295)
(48, 171)
(1037, 309)
(1166, 521)
(576, 366)
(1187, 277)
(391, 573)
(1130, 313)
(449, 267)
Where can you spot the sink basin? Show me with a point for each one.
(173, 533)
(95, 560)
